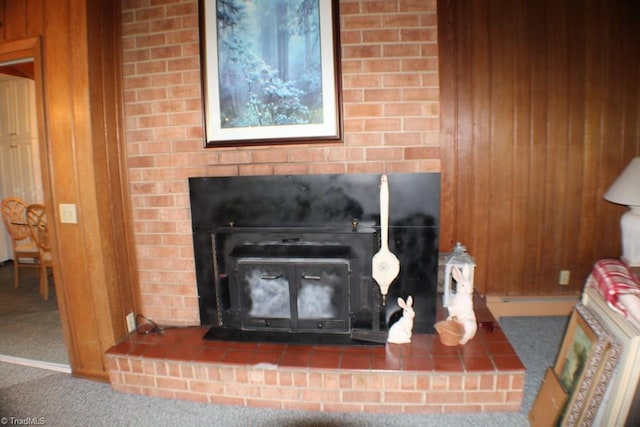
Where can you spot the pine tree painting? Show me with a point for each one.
(269, 63)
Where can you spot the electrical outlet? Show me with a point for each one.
(68, 214)
(131, 322)
(564, 277)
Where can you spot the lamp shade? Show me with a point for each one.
(626, 189)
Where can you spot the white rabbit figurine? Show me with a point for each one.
(400, 332)
(461, 305)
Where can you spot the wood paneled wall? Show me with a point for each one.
(540, 107)
(77, 63)
(20, 19)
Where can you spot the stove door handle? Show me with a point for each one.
(270, 276)
(307, 277)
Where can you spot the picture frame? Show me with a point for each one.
(586, 361)
(621, 402)
(270, 72)
(550, 401)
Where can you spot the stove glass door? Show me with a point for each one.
(280, 294)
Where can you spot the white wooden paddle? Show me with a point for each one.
(386, 265)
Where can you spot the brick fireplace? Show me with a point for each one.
(264, 222)
(390, 96)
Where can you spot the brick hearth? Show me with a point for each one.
(425, 376)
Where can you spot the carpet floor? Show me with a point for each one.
(30, 328)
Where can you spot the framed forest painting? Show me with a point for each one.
(270, 71)
(585, 363)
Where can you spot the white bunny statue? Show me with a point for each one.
(401, 331)
(461, 305)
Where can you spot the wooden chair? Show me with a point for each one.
(37, 220)
(24, 248)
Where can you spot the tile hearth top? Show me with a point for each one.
(488, 351)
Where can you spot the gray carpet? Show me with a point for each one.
(62, 400)
(30, 327)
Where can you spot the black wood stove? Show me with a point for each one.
(288, 258)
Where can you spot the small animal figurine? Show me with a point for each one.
(461, 306)
(401, 331)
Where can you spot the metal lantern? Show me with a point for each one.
(461, 259)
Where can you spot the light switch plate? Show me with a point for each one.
(68, 214)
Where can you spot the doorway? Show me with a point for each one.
(30, 328)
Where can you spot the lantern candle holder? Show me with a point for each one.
(461, 259)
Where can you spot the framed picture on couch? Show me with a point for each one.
(621, 402)
(587, 358)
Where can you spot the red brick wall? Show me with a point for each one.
(319, 389)
(391, 124)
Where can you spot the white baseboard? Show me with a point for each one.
(506, 306)
(51, 366)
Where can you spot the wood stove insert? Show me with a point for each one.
(288, 258)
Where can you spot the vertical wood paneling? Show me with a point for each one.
(522, 132)
(111, 198)
(612, 45)
(536, 29)
(2, 19)
(555, 198)
(63, 159)
(446, 40)
(20, 19)
(35, 16)
(575, 132)
(591, 205)
(498, 201)
(76, 68)
(463, 134)
(84, 147)
(15, 24)
(631, 109)
(480, 132)
(546, 102)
